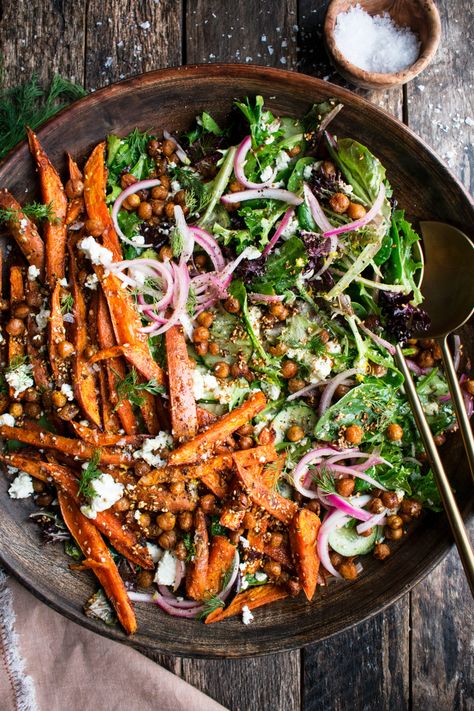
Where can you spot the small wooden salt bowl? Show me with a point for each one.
(421, 16)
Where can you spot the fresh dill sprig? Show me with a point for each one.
(88, 475)
(16, 363)
(324, 478)
(196, 195)
(37, 210)
(190, 546)
(29, 104)
(211, 604)
(316, 346)
(130, 388)
(67, 303)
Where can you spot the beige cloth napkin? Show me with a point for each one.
(48, 663)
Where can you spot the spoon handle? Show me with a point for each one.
(447, 497)
(458, 402)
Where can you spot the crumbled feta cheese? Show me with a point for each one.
(150, 446)
(91, 282)
(319, 366)
(431, 408)
(68, 318)
(95, 252)
(33, 272)
(282, 161)
(333, 347)
(247, 616)
(260, 577)
(205, 385)
(244, 542)
(244, 584)
(155, 552)
(23, 223)
(139, 240)
(42, 318)
(271, 390)
(266, 174)
(255, 318)
(21, 487)
(67, 390)
(19, 378)
(175, 186)
(63, 282)
(7, 419)
(291, 228)
(166, 571)
(107, 492)
(307, 170)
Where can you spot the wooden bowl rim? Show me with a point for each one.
(176, 74)
(379, 79)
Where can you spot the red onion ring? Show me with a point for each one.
(131, 190)
(265, 298)
(281, 228)
(334, 519)
(239, 166)
(377, 339)
(301, 469)
(179, 150)
(377, 520)
(210, 246)
(348, 508)
(180, 298)
(316, 210)
(330, 389)
(368, 217)
(187, 235)
(176, 610)
(262, 193)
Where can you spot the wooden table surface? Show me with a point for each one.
(415, 655)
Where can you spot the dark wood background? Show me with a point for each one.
(417, 654)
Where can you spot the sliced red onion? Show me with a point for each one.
(312, 386)
(301, 469)
(184, 604)
(347, 507)
(224, 594)
(377, 520)
(210, 246)
(265, 298)
(377, 339)
(180, 152)
(262, 193)
(181, 293)
(139, 597)
(368, 217)
(186, 234)
(239, 166)
(179, 575)
(316, 210)
(330, 389)
(334, 519)
(281, 228)
(415, 368)
(131, 190)
(176, 610)
(349, 471)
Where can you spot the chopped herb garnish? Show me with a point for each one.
(130, 388)
(213, 603)
(88, 475)
(190, 546)
(67, 303)
(35, 210)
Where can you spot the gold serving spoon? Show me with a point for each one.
(447, 284)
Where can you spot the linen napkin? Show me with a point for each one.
(48, 663)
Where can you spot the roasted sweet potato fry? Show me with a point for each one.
(272, 471)
(148, 409)
(104, 439)
(136, 355)
(196, 575)
(221, 556)
(279, 507)
(16, 346)
(24, 232)
(251, 598)
(204, 417)
(83, 378)
(72, 447)
(37, 361)
(52, 193)
(93, 547)
(57, 335)
(95, 184)
(155, 498)
(202, 444)
(303, 532)
(26, 464)
(75, 206)
(180, 382)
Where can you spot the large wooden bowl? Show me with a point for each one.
(423, 185)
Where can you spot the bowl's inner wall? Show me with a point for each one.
(422, 186)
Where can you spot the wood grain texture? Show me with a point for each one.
(127, 37)
(371, 666)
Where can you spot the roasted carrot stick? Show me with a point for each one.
(251, 598)
(196, 575)
(83, 379)
(72, 447)
(57, 335)
(221, 555)
(24, 232)
(180, 380)
(52, 193)
(193, 450)
(75, 206)
(93, 547)
(16, 347)
(303, 538)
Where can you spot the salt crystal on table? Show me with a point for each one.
(376, 43)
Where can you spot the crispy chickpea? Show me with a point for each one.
(166, 521)
(425, 360)
(314, 506)
(394, 521)
(335, 558)
(38, 486)
(279, 311)
(177, 488)
(165, 253)
(169, 210)
(167, 539)
(389, 499)
(340, 391)
(354, 434)
(185, 521)
(4, 402)
(410, 507)
(90, 351)
(278, 350)
(16, 409)
(295, 151)
(65, 349)
(142, 468)
(34, 299)
(381, 551)
(439, 440)
(367, 533)
(394, 432)
(345, 486)
(328, 168)
(20, 310)
(468, 386)
(144, 211)
(94, 227)
(68, 412)
(289, 369)
(200, 261)
(376, 505)
(33, 410)
(213, 348)
(272, 569)
(236, 187)
(232, 305)
(180, 197)
(245, 443)
(356, 211)
(294, 587)
(246, 429)
(157, 207)
(44, 499)
(295, 433)
(180, 551)
(276, 539)
(127, 179)
(168, 146)
(74, 188)
(46, 398)
(58, 398)
(145, 579)
(160, 166)
(202, 348)
(249, 520)
(348, 570)
(222, 369)
(15, 327)
(32, 395)
(295, 384)
(200, 334)
(393, 534)
(165, 181)
(205, 319)
(144, 520)
(153, 147)
(339, 203)
(436, 352)
(122, 504)
(159, 192)
(238, 370)
(132, 202)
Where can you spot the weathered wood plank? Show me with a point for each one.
(46, 38)
(127, 38)
(260, 683)
(243, 31)
(366, 667)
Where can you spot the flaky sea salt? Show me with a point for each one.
(375, 44)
